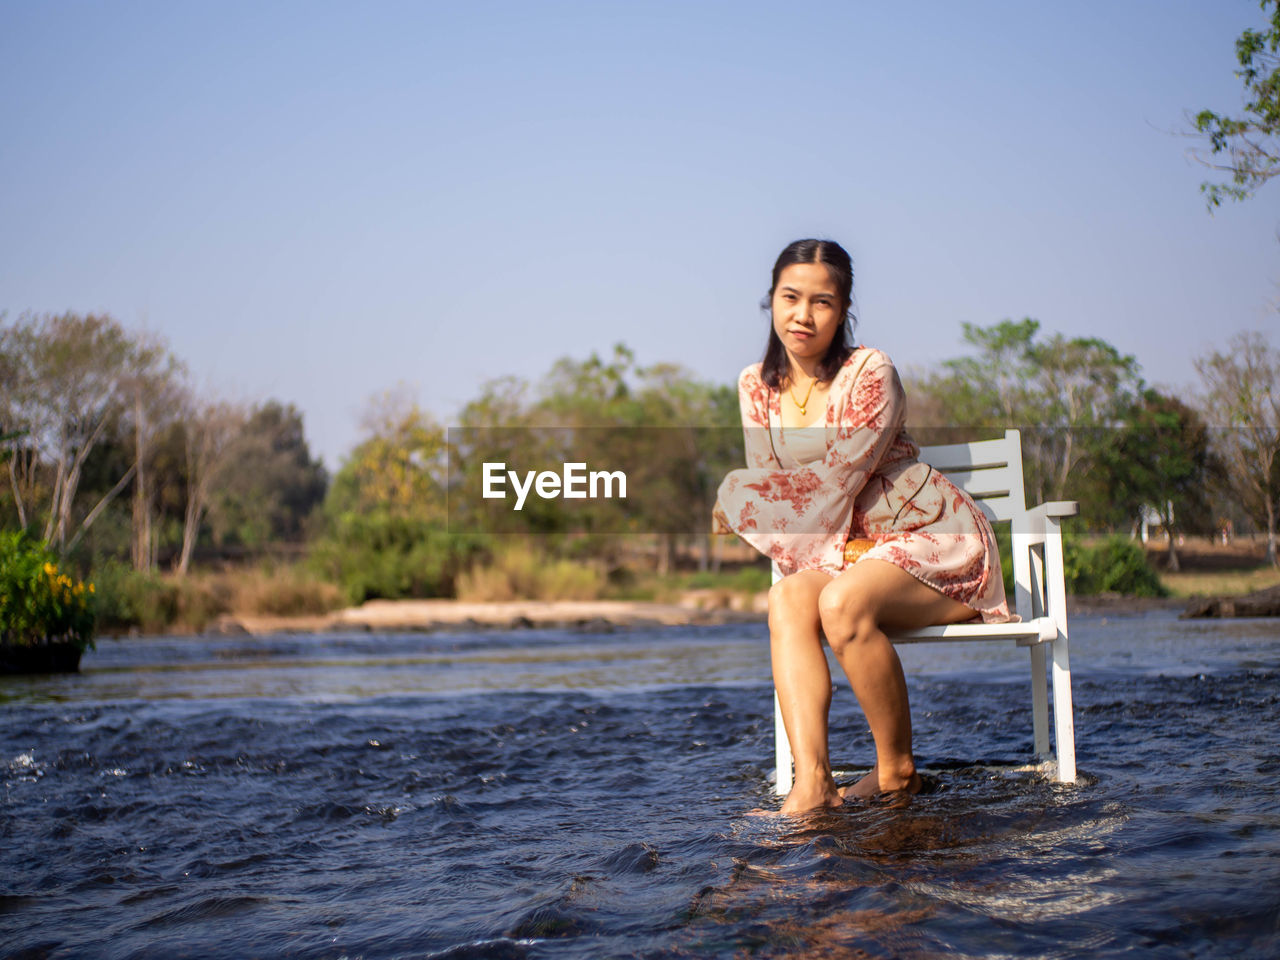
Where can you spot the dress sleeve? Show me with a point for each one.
(801, 517)
(753, 402)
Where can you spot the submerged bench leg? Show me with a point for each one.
(1039, 703)
(781, 751)
(1063, 726)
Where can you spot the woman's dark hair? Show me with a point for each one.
(840, 267)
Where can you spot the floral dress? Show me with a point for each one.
(869, 486)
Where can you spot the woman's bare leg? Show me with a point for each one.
(855, 609)
(803, 682)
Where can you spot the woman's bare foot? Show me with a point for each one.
(907, 781)
(816, 795)
(864, 789)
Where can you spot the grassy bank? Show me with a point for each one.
(1213, 569)
(1219, 583)
(160, 602)
(156, 602)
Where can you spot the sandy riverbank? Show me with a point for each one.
(694, 607)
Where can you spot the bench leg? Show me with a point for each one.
(781, 751)
(1039, 702)
(1063, 723)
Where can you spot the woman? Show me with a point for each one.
(868, 538)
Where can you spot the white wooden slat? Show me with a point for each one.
(1000, 509)
(978, 455)
(981, 484)
(1032, 630)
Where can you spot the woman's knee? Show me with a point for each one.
(845, 613)
(792, 597)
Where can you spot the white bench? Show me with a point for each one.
(990, 471)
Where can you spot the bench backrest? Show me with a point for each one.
(990, 471)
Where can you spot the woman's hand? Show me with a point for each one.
(719, 521)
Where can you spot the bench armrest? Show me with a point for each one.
(1037, 521)
(1040, 526)
(1055, 508)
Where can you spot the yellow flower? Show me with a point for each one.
(50, 569)
(91, 588)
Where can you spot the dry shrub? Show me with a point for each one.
(156, 602)
(517, 571)
(282, 592)
(199, 601)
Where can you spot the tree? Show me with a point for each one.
(1082, 389)
(276, 485)
(699, 440)
(152, 388)
(1242, 395)
(1161, 458)
(1065, 394)
(8, 445)
(211, 428)
(400, 466)
(1247, 146)
(385, 515)
(673, 436)
(63, 385)
(992, 387)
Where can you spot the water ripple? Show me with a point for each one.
(543, 794)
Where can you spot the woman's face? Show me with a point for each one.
(807, 311)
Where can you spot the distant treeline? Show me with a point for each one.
(1095, 432)
(112, 456)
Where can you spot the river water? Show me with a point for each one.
(560, 794)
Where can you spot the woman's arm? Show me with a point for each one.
(753, 406)
(753, 403)
(801, 517)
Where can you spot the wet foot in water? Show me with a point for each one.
(820, 795)
(869, 786)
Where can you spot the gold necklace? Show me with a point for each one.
(801, 404)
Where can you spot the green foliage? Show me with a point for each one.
(380, 555)
(1004, 543)
(1159, 457)
(673, 436)
(271, 484)
(990, 387)
(129, 599)
(7, 438)
(385, 520)
(1068, 396)
(1115, 565)
(753, 579)
(38, 602)
(1247, 144)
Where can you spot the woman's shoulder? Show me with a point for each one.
(864, 354)
(753, 394)
(751, 377)
(861, 360)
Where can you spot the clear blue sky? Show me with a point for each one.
(317, 201)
